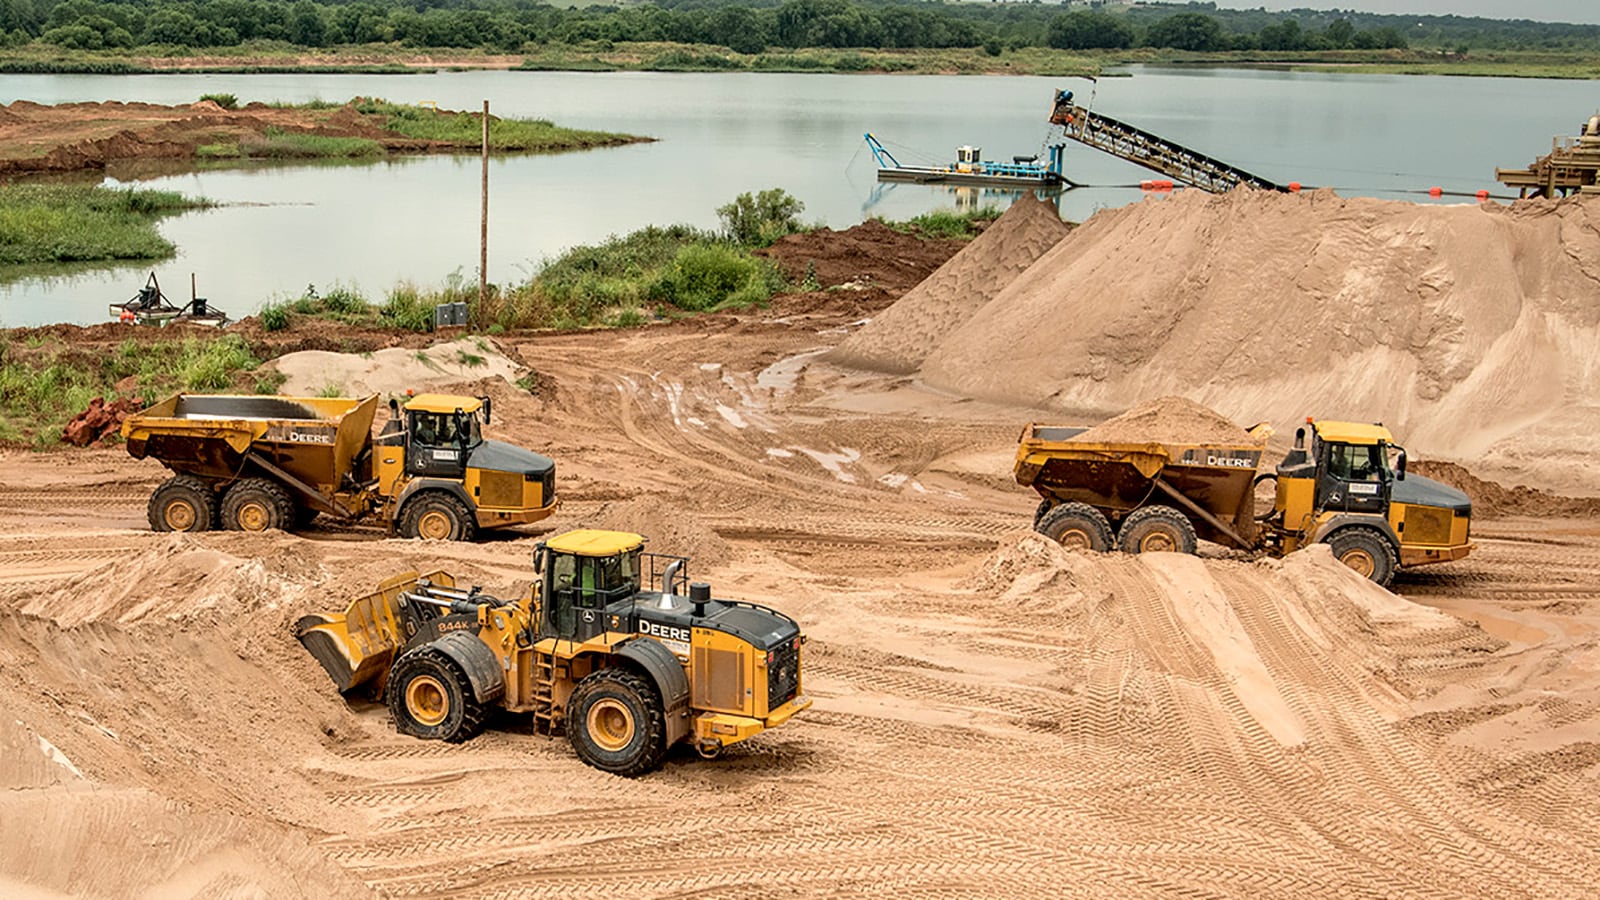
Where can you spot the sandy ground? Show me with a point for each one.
(995, 716)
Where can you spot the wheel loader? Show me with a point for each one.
(1349, 489)
(249, 463)
(626, 671)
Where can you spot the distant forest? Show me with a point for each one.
(751, 26)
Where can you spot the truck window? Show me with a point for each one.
(1355, 462)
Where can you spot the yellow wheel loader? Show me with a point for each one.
(1349, 489)
(625, 670)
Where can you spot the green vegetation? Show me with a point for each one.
(466, 129)
(42, 387)
(279, 144)
(226, 101)
(717, 35)
(43, 223)
(948, 223)
(761, 219)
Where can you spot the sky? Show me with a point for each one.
(1581, 11)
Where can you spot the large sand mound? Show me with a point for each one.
(394, 370)
(899, 338)
(1470, 330)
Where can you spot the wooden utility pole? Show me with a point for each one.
(483, 225)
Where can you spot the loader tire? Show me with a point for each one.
(1366, 551)
(256, 504)
(1153, 529)
(616, 724)
(437, 516)
(1076, 526)
(183, 503)
(430, 697)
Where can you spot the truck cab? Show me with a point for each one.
(1350, 489)
(444, 480)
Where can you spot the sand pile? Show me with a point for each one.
(394, 370)
(1170, 420)
(1472, 331)
(668, 529)
(899, 338)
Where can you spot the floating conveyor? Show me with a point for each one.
(1151, 151)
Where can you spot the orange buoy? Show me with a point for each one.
(1147, 185)
(1436, 191)
(1294, 187)
(126, 316)
(1482, 196)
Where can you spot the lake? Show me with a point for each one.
(373, 225)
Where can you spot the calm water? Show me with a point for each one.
(370, 226)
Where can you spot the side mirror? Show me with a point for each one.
(486, 405)
(394, 407)
(1400, 466)
(538, 558)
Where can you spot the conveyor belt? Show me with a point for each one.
(1151, 151)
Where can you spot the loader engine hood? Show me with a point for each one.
(499, 456)
(670, 617)
(1419, 490)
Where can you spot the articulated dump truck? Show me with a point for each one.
(1348, 490)
(249, 463)
(626, 671)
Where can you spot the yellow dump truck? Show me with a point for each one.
(1349, 489)
(605, 645)
(249, 463)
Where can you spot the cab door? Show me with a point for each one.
(1353, 478)
(577, 598)
(437, 447)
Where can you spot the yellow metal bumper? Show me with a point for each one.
(496, 518)
(725, 729)
(1422, 556)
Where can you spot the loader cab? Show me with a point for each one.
(441, 431)
(580, 574)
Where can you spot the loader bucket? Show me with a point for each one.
(358, 645)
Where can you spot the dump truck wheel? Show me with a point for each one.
(430, 697)
(1155, 529)
(1366, 551)
(1076, 526)
(183, 503)
(256, 504)
(616, 724)
(436, 516)
(1038, 513)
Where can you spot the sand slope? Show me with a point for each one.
(899, 338)
(1472, 330)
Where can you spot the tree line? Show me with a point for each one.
(751, 26)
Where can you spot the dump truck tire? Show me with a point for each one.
(437, 516)
(1366, 551)
(1154, 529)
(615, 723)
(256, 504)
(1076, 526)
(430, 697)
(1038, 513)
(183, 503)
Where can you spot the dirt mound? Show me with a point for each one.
(899, 338)
(668, 528)
(1168, 420)
(1494, 500)
(867, 255)
(393, 370)
(1431, 319)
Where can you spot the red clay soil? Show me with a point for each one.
(867, 255)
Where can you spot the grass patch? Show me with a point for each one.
(279, 144)
(46, 223)
(43, 387)
(465, 129)
(948, 223)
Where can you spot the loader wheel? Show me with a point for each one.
(1366, 551)
(437, 517)
(1153, 529)
(430, 697)
(256, 504)
(183, 503)
(1076, 526)
(615, 723)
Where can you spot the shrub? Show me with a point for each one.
(226, 101)
(274, 317)
(706, 276)
(760, 219)
(407, 307)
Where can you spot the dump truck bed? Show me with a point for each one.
(319, 440)
(1212, 483)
